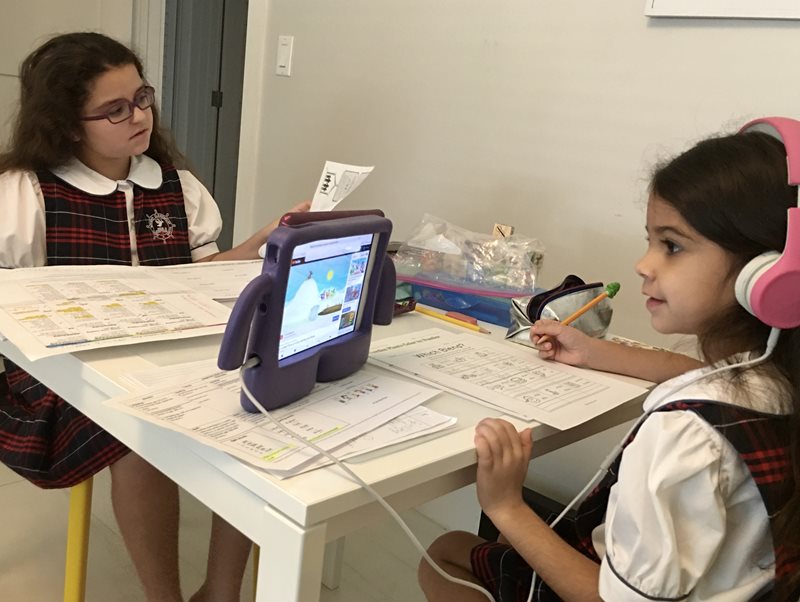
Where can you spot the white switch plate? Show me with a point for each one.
(283, 63)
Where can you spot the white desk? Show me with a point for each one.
(291, 520)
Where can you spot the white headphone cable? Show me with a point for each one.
(254, 361)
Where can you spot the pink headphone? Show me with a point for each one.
(769, 285)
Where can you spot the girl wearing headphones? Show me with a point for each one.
(703, 500)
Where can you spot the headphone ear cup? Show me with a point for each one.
(748, 276)
(768, 288)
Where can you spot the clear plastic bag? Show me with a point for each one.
(443, 255)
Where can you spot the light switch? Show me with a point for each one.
(283, 64)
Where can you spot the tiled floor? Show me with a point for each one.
(379, 562)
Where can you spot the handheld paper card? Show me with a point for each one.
(336, 182)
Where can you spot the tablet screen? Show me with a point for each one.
(327, 282)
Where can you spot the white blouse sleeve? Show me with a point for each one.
(205, 221)
(666, 517)
(22, 226)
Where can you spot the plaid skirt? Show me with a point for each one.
(46, 440)
(506, 574)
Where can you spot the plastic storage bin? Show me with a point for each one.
(492, 307)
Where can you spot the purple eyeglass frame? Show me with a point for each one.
(131, 105)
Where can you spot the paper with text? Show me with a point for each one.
(207, 408)
(47, 311)
(220, 280)
(336, 182)
(413, 424)
(506, 377)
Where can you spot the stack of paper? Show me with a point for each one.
(508, 378)
(63, 309)
(360, 413)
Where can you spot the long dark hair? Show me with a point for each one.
(54, 87)
(733, 190)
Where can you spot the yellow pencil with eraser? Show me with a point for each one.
(611, 289)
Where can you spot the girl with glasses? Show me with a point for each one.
(89, 177)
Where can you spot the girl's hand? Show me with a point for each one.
(249, 248)
(563, 343)
(503, 457)
(301, 207)
(262, 234)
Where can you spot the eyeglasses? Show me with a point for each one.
(122, 110)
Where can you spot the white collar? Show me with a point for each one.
(144, 172)
(764, 394)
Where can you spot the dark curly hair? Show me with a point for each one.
(54, 85)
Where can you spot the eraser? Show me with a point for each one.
(502, 230)
(462, 317)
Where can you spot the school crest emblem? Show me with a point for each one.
(160, 225)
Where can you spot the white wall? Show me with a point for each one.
(544, 115)
(27, 23)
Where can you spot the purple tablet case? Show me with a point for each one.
(254, 328)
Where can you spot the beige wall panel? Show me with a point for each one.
(26, 23)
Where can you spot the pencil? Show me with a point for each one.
(611, 290)
(456, 321)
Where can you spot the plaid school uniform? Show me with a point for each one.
(762, 441)
(42, 437)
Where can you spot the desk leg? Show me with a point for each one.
(332, 566)
(290, 561)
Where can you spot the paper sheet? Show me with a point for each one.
(47, 311)
(505, 377)
(336, 182)
(207, 408)
(413, 424)
(220, 280)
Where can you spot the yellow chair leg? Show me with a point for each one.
(256, 552)
(80, 510)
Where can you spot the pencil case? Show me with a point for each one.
(557, 304)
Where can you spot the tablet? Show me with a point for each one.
(308, 316)
(324, 289)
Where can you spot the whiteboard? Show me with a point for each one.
(742, 9)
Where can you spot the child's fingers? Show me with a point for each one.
(494, 445)
(483, 450)
(526, 441)
(502, 439)
(551, 328)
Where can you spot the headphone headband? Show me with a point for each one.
(768, 285)
(787, 131)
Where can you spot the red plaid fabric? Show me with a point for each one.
(85, 229)
(505, 574)
(42, 437)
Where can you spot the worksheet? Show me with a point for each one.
(47, 311)
(413, 424)
(220, 280)
(207, 408)
(506, 377)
